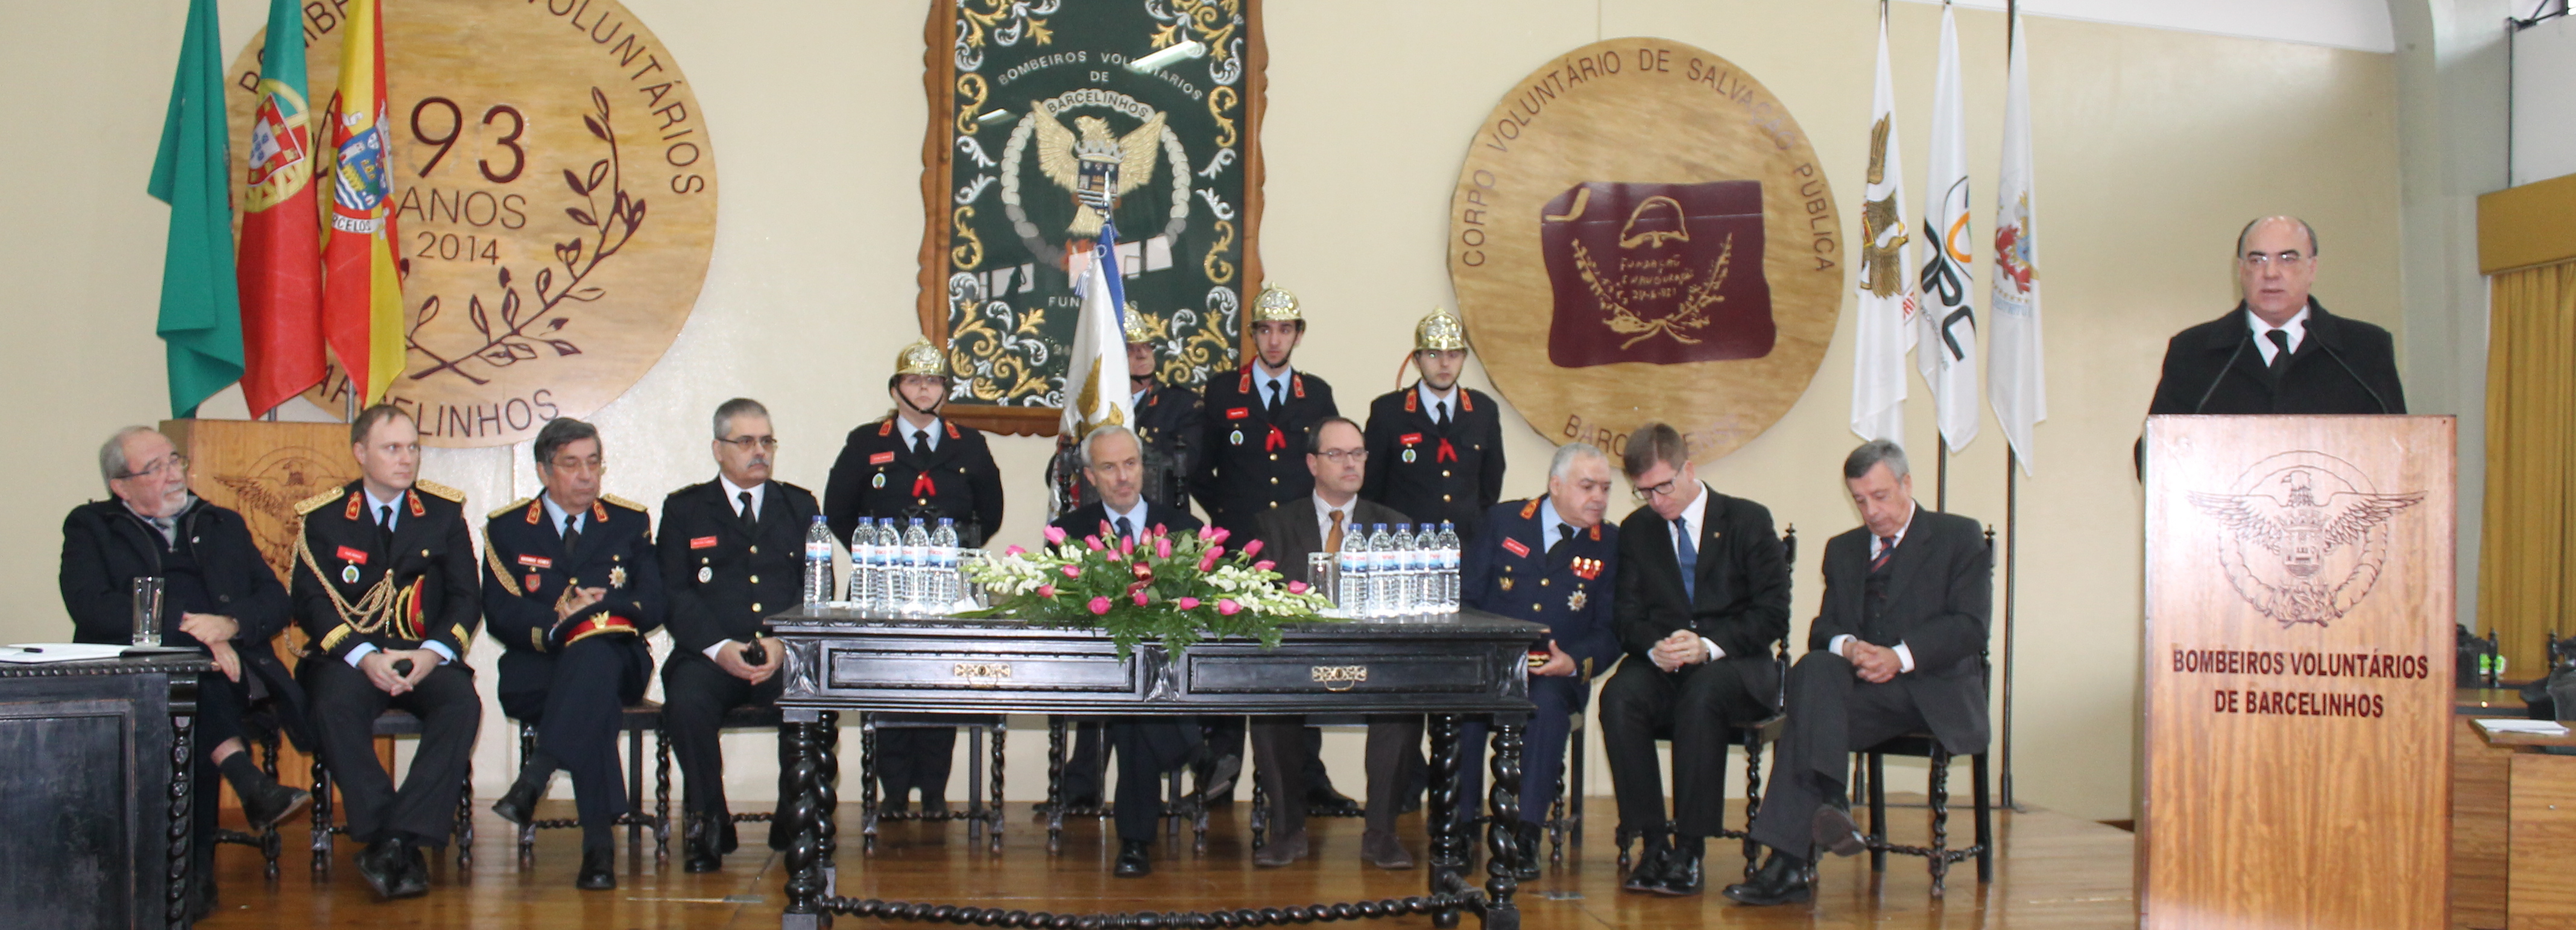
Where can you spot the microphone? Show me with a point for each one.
(2356, 376)
(2223, 368)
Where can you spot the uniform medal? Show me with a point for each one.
(535, 581)
(880, 480)
(349, 574)
(706, 574)
(617, 577)
(1408, 456)
(1576, 600)
(1237, 438)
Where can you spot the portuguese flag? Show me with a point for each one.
(362, 307)
(200, 321)
(281, 245)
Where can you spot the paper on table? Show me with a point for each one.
(2517, 725)
(25, 653)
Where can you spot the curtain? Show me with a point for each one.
(2527, 570)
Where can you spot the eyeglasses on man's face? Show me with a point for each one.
(1339, 456)
(2286, 260)
(748, 443)
(174, 463)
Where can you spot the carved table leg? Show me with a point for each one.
(1055, 785)
(180, 893)
(1448, 852)
(827, 796)
(1502, 827)
(661, 794)
(867, 783)
(804, 879)
(1001, 732)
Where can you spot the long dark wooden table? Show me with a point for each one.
(97, 792)
(1448, 667)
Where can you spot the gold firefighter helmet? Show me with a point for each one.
(1275, 303)
(921, 358)
(1139, 329)
(1440, 331)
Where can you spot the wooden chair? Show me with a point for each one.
(636, 720)
(268, 843)
(389, 723)
(1178, 807)
(1938, 857)
(983, 818)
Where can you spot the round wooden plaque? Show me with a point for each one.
(1642, 232)
(556, 204)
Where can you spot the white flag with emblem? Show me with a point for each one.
(1946, 350)
(2017, 376)
(1885, 328)
(1095, 378)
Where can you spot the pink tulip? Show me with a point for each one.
(1215, 552)
(1127, 544)
(1263, 565)
(1207, 563)
(1093, 542)
(1228, 607)
(1099, 605)
(1296, 587)
(1140, 598)
(1073, 571)
(1187, 603)
(1046, 590)
(1163, 547)
(1054, 536)
(1014, 550)
(1112, 555)
(1252, 548)
(1221, 534)
(1207, 532)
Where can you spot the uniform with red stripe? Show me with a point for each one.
(879, 476)
(1436, 474)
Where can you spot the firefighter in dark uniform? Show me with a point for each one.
(1547, 560)
(387, 592)
(1436, 448)
(732, 554)
(1167, 422)
(1252, 459)
(914, 463)
(575, 587)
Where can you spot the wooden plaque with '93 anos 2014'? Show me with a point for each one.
(555, 195)
(1641, 231)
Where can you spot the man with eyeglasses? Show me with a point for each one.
(2279, 351)
(1337, 457)
(732, 553)
(1703, 601)
(1546, 560)
(218, 595)
(387, 591)
(575, 588)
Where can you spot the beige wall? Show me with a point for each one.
(2153, 147)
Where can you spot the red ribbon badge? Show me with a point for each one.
(1275, 441)
(536, 561)
(922, 486)
(1237, 413)
(702, 542)
(880, 458)
(353, 556)
(1409, 438)
(1446, 453)
(1516, 547)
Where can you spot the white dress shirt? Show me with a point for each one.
(904, 430)
(1135, 517)
(1431, 400)
(1324, 512)
(2296, 326)
(733, 497)
(1904, 656)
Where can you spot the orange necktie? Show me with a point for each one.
(1333, 540)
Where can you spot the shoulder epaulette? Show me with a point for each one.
(622, 502)
(513, 505)
(1530, 509)
(435, 489)
(319, 501)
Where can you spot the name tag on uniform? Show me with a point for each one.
(1237, 413)
(702, 542)
(535, 561)
(1409, 438)
(353, 556)
(1515, 546)
(881, 458)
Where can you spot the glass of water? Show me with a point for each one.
(147, 611)
(1321, 573)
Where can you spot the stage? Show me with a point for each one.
(2055, 871)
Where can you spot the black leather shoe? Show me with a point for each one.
(701, 852)
(1135, 859)
(728, 839)
(1281, 850)
(414, 880)
(1219, 783)
(1323, 801)
(1836, 833)
(933, 803)
(266, 803)
(1384, 850)
(1648, 874)
(1682, 876)
(519, 804)
(598, 869)
(1527, 838)
(382, 864)
(1782, 880)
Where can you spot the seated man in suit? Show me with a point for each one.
(387, 592)
(1546, 560)
(1703, 596)
(1336, 455)
(1146, 747)
(575, 587)
(218, 595)
(1895, 649)
(732, 552)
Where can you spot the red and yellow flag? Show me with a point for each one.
(362, 305)
(281, 249)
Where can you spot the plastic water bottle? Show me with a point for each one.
(916, 567)
(888, 595)
(1383, 568)
(1448, 574)
(863, 564)
(943, 562)
(818, 563)
(1354, 556)
(1408, 573)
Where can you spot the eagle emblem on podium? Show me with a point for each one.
(2303, 536)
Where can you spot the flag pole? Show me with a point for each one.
(2012, 514)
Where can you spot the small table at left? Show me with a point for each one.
(95, 793)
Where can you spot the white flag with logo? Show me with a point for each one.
(1885, 329)
(1095, 381)
(1946, 352)
(2017, 377)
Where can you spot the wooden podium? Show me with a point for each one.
(2298, 654)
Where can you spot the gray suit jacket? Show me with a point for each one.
(1940, 593)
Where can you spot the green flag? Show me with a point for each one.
(200, 303)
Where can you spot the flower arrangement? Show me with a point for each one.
(1172, 588)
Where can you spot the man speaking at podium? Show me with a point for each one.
(2279, 351)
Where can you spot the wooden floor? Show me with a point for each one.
(2055, 871)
